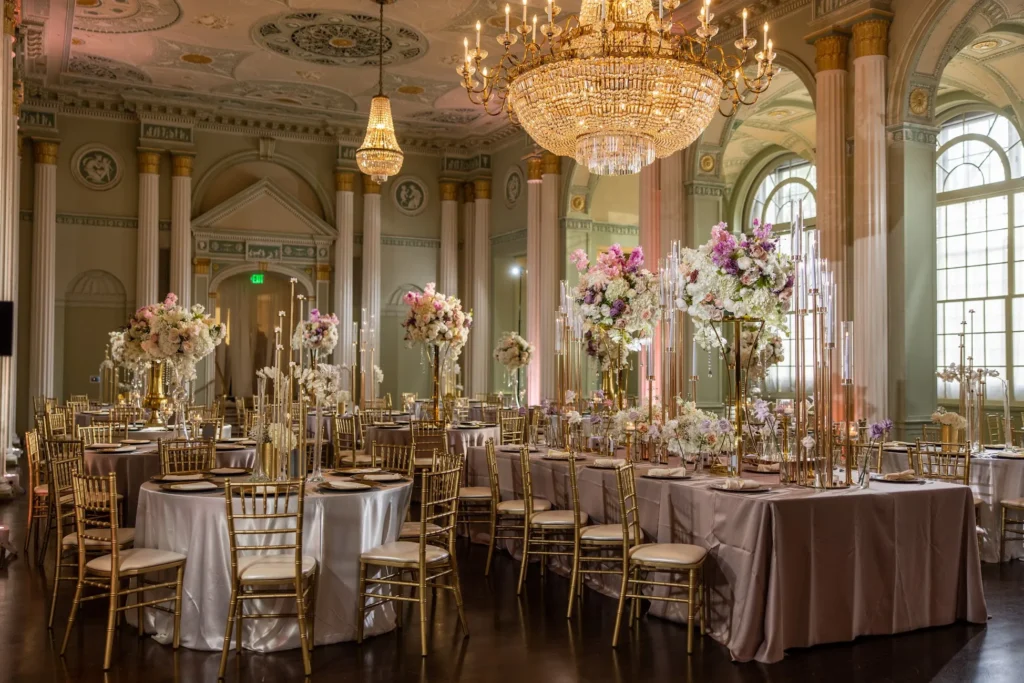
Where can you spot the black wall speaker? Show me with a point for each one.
(6, 328)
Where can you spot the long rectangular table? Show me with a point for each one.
(794, 567)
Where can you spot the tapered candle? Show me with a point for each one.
(649, 357)
(534, 35)
(765, 33)
(693, 358)
(744, 22)
(846, 331)
(549, 12)
(507, 10)
(524, 11)
(661, 10)
(465, 48)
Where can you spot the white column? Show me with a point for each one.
(147, 265)
(830, 158)
(466, 284)
(870, 287)
(181, 226)
(371, 267)
(448, 265)
(650, 241)
(552, 267)
(480, 337)
(344, 258)
(44, 264)
(542, 355)
(9, 225)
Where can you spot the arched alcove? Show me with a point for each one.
(95, 303)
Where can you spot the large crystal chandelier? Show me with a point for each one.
(618, 85)
(380, 156)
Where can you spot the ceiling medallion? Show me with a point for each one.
(193, 58)
(125, 16)
(564, 85)
(411, 90)
(985, 45)
(380, 156)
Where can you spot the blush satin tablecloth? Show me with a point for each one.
(795, 567)
(459, 440)
(337, 528)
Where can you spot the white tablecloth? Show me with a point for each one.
(337, 528)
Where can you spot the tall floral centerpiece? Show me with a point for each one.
(513, 353)
(321, 383)
(170, 336)
(618, 301)
(746, 283)
(438, 323)
(318, 334)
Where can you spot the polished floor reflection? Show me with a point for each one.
(511, 640)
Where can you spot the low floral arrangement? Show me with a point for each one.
(736, 277)
(321, 383)
(435, 320)
(169, 332)
(319, 333)
(696, 432)
(949, 419)
(513, 352)
(619, 301)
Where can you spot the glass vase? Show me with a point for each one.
(316, 476)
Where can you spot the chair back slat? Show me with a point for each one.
(943, 461)
(96, 433)
(629, 510)
(394, 458)
(439, 502)
(427, 437)
(345, 437)
(265, 518)
(512, 429)
(181, 456)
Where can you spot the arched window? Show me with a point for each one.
(980, 248)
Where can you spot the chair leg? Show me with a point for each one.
(227, 635)
(423, 610)
(29, 521)
(111, 617)
(56, 587)
(457, 589)
(689, 611)
(1002, 534)
(239, 620)
(177, 606)
(526, 557)
(491, 542)
(574, 580)
(140, 612)
(623, 590)
(71, 618)
(300, 608)
(361, 606)
(311, 612)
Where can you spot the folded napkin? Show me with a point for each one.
(905, 475)
(182, 477)
(735, 484)
(555, 454)
(666, 472)
(384, 476)
(196, 486)
(609, 462)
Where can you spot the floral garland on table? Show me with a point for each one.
(949, 419)
(435, 320)
(319, 333)
(513, 352)
(168, 332)
(618, 300)
(730, 277)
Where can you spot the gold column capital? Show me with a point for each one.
(181, 164)
(344, 181)
(370, 186)
(830, 52)
(201, 266)
(323, 272)
(12, 16)
(18, 96)
(534, 167)
(149, 161)
(449, 191)
(45, 151)
(482, 188)
(469, 192)
(871, 37)
(551, 164)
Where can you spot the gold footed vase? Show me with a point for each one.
(155, 397)
(435, 397)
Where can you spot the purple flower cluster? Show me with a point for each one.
(878, 430)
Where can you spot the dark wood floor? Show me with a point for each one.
(513, 640)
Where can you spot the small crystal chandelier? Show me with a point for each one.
(380, 156)
(617, 85)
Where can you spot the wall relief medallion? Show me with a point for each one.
(410, 195)
(919, 101)
(513, 186)
(707, 163)
(578, 203)
(97, 167)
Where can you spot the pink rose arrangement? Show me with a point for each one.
(171, 333)
(319, 333)
(436, 320)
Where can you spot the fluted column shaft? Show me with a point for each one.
(650, 241)
(481, 335)
(371, 268)
(9, 189)
(181, 227)
(551, 268)
(448, 265)
(870, 287)
(344, 258)
(44, 264)
(147, 272)
(534, 259)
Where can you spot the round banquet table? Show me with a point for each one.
(135, 469)
(993, 478)
(460, 440)
(336, 529)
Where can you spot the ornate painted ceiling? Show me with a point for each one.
(989, 68)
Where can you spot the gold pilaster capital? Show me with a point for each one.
(482, 188)
(181, 164)
(12, 16)
(871, 37)
(18, 96)
(370, 186)
(149, 160)
(344, 181)
(830, 52)
(534, 167)
(469, 192)
(45, 151)
(323, 272)
(201, 266)
(449, 191)
(551, 164)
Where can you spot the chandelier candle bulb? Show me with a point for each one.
(524, 12)
(465, 47)
(549, 12)
(478, 34)
(744, 22)
(765, 33)
(533, 36)
(507, 10)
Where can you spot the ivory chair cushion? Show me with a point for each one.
(135, 559)
(272, 567)
(124, 537)
(558, 518)
(518, 507)
(679, 554)
(402, 554)
(412, 529)
(423, 462)
(475, 493)
(604, 533)
(41, 490)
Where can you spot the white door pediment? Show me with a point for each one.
(263, 207)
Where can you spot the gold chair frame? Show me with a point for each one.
(183, 456)
(96, 433)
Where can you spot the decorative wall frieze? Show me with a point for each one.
(85, 220)
(589, 225)
(705, 190)
(261, 247)
(507, 237)
(913, 132)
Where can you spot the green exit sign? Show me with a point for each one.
(256, 278)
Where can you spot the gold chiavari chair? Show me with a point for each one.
(208, 428)
(123, 417)
(38, 516)
(931, 433)
(265, 537)
(183, 456)
(428, 437)
(377, 404)
(679, 559)
(56, 424)
(511, 430)
(96, 520)
(79, 398)
(508, 521)
(448, 409)
(1011, 523)
(429, 561)
(477, 504)
(943, 462)
(393, 458)
(40, 404)
(75, 407)
(541, 530)
(249, 420)
(344, 436)
(97, 433)
(995, 427)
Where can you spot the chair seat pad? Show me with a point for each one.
(41, 490)
(360, 457)
(680, 554)
(475, 492)
(403, 553)
(604, 532)
(272, 567)
(558, 518)
(135, 559)
(412, 529)
(423, 462)
(124, 537)
(96, 497)
(518, 507)
(1013, 503)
